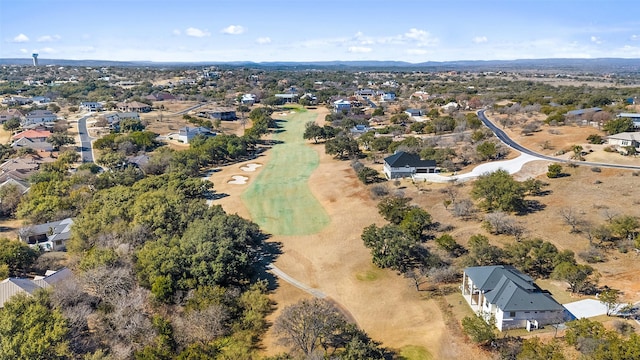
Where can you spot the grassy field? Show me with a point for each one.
(279, 199)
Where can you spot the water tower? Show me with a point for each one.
(35, 59)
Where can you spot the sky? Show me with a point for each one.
(327, 30)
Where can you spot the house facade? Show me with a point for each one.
(510, 297)
(403, 164)
(9, 114)
(51, 236)
(624, 139)
(133, 106)
(341, 105)
(634, 117)
(38, 117)
(90, 106)
(186, 134)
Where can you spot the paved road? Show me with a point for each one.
(284, 276)
(85, 140)
(514, 145)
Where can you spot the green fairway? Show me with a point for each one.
(279, 199)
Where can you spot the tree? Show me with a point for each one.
(610, 298)
(626, 227)
(31, 329)
(572, 218)
(478, 329)
(60, 139)
(10, 196)
(554, 171)
(487, 150)
(11, 124)
(577, 152)
(312, 131)
(533, 349)
(309, 325)
(415, 222)
(499, 191)
(576, 275)
(368, 175)
(481, 253)
(17, 255)
(394, 208)
(342, 146)
(391, 247)
(617, 126)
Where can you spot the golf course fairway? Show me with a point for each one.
(279, 199)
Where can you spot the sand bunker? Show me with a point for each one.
(250, 167)
(238, 180)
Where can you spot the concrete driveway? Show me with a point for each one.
(586, 308)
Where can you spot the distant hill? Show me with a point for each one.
(617, 65)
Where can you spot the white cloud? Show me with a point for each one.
(21, 38)
(24, 51)
(263, 40)
(48, 38)
(480, 39)
(359, 49)
(421, 37)
(416, 51)
(234, 30)
(46, 50)
(596, 40)
(176, 32)
(195, 32)
(635, 37)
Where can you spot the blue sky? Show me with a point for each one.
(295, 30)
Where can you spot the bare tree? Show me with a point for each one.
(108, 283)
(417, 276)
(202, 326)
(309, 325)
(500, 223)
(572, 218)
(464, 209)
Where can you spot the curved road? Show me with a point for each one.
(86, 153)
(514, 145)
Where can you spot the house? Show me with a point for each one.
(51, 236)
(414, 112)
(133, 106)
(17, 100)
(41, 100)
(10, 114)
(450, 106)
(388, 96)
(624, 139)
(160, 96)
(312, 99)
(403, 164)
(186, 134)
(37, 145)
(341, 106)
(359, 129)
(581, 112)
(510, 297)
(419, 95)
(38, 117)
(33, 134)
(248, 99)
(223, 114)
(364, 92)
(288, 98)
(90, 106)
(634, 117)
(13, 286)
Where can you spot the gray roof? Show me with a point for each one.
(582, 111)
(12, 286)
(629, 115)
(402, 159)
(509, 289)
(57, 230)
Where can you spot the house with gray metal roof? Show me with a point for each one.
(403, 164)
(510, 297)
(13, 286)
(51, 236)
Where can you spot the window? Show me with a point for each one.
(512, 314)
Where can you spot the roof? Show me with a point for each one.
(41, 113)
(629, 115)
(404, 159)
(32, 134)
(414, 112)
(631, 136)
(582, 111)
(57, 230)
(12, 286)
(509, 289)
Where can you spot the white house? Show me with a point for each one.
(403, 164)
(388, 96)
(634, 117)
(186, 134)
(510, 297)
(624, 139)
(248, 99)
(51, 236)
(341, 105)
(90, 106)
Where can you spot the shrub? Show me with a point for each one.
(592, 256)
(379, 191)
(554, 171)
(596, 169)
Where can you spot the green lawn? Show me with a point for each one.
(279, 199)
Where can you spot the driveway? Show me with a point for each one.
(85, 140)
(586, 308)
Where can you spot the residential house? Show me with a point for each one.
(313, 100)
(634, 117)
(90, 106)
(223, 114)
(414, 112)
(579, 113)
(341, 106)
(186, 134)
(40, 100)
(22, 185)
(38, 117)
(17, 100)
(624, 139)
(51, 236)
(510, 297)
(133, 106)
(364, 92)
(33, 134)
(287, 98)
(13, 286)
(450, 106)
(10, 114)
(160, 96)
(388, 96)
(248, 99)
(359, 129)
(403, 164)
(37, 145)
(419, 95)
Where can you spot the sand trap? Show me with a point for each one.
(250, 167)
(238, 180)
